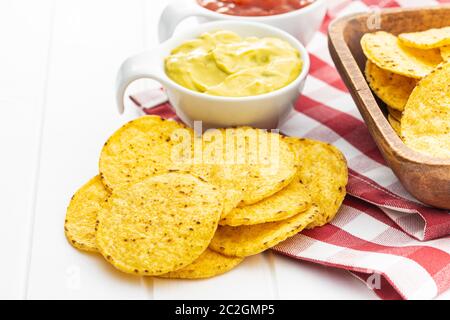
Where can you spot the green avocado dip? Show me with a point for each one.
(224, 64)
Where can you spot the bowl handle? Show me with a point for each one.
(173, 14)
(142, 65)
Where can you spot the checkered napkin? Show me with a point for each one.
(382, 235)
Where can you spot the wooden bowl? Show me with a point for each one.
(425, 177)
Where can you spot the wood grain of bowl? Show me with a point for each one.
(425, 177)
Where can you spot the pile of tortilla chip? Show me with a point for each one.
(410, 74)
(172, 203)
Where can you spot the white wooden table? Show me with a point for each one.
(58, 61)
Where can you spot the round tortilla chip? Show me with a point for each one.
(208, 265)
(324, 172)
(395, 124)
(158, 225)
(445, 53)
(428, 39)
(265, 180)
(396, 114)
(425, 125)
(81, 215)
(393, 89)
(251, 163)
(385, 51)
(231, 196)
(140, 149)
(245, 241)
(288, 202)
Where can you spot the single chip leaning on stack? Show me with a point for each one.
(288, 202)
(81, 215)
(425, 125)
(160, 224)
(323, 172)
(245, 241)
(392, 88)
(140, 149)
(428, 39)
(208, 265)
(386, 52)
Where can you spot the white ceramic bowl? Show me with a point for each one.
(301, 23)
(263, 111)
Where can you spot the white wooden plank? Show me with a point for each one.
(25, 34)
(250, 280)
(90, 40)
(305, 280)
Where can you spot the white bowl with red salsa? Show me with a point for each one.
(254, 8)
(300, 18)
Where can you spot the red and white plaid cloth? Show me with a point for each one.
(382, 235)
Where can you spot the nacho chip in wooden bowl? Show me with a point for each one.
(425, 125)
(428, 39)
(393, 89)
(425, 177)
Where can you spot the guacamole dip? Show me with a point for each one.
(224, 64)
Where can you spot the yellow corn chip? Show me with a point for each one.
(140, 149)
(288, 202)
(245, 241)
(386, 51)
(392, 88)
(428, 39)
(252, 164)
(425, 125)
(81, 215)
(324, 172)
(159, 225)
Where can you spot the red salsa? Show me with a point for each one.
(253, 7)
